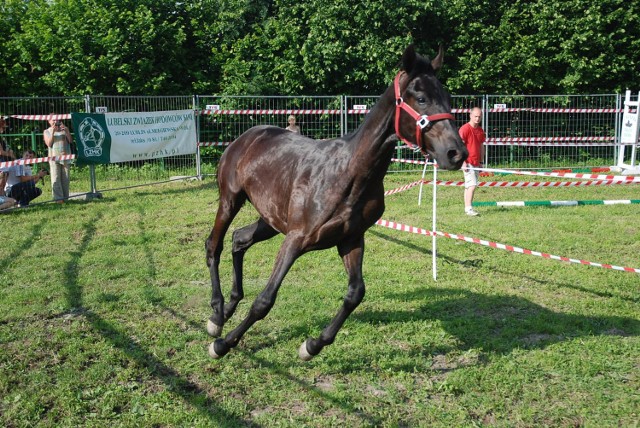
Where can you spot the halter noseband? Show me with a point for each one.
(422, 121)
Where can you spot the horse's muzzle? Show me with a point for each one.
(456, 158)
(452, 158)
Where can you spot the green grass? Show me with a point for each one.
(103, 307)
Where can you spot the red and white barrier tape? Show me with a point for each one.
(531, 110)
(403, 188)
(332, 111)
(36, 160)
(511, 184)
(42, 116)
(531, 139)
(419, 231)
(500, 142)
(566, 175)
(556, 110)
(416, 162)
(213, 144)
(551, 141)
(244, 112)
(535, 183)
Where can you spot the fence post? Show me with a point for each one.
(33, 141)
(487, 129)
(92, 168)
(617, 126)
(343, 114)
(196, 103)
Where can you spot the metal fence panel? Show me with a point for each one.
(552, 131)
(25, 132)
(222, 119)
(522, 131)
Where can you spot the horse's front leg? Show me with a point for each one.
(243, 239)
(289, 252)
(213, 248)
(227, 210)
(351, 253)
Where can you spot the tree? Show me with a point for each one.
(320, 47)
(550, 46)
(105, 47)
(286, 47)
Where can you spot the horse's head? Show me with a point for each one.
(423, 111)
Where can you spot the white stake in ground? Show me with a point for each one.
(433, 226)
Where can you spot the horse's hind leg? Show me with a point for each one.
(243, 239)
(351, 253)
(289, 252)
(228, 207)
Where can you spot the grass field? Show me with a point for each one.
(103, 307)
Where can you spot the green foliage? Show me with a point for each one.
(555, 46)
(286, 47)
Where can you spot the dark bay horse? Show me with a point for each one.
(323, 194)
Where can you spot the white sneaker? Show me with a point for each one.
(472, 212)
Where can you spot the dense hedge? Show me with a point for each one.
(287, 47)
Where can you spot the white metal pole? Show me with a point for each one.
(433, 226)
(424, 171)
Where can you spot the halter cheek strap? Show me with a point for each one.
(422, 121)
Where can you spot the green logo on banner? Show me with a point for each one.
(93, 136)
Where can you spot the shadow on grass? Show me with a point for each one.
(608, 294)
(29, 238)
(282, 371)
(163, 191)
(419, 249)
(499, 323)
(186, 390)
(477, 262)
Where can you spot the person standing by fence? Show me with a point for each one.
(58, 140)
(292, 125)
(473, 137)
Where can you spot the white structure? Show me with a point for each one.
(629, 136)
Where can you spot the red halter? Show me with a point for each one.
(422, 121)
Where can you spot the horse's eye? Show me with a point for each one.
(421, 100)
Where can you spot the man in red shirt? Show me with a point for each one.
(473, 137)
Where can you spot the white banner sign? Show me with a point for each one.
(629, 133)
(123, 137)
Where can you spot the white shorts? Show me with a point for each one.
(471, 176)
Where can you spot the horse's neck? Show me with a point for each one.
(375, 139)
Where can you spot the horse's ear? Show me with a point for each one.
(436, 63)
(409, 58)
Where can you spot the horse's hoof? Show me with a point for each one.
(303, 353)
(212, 352)
(218, 348)
(214, 330)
